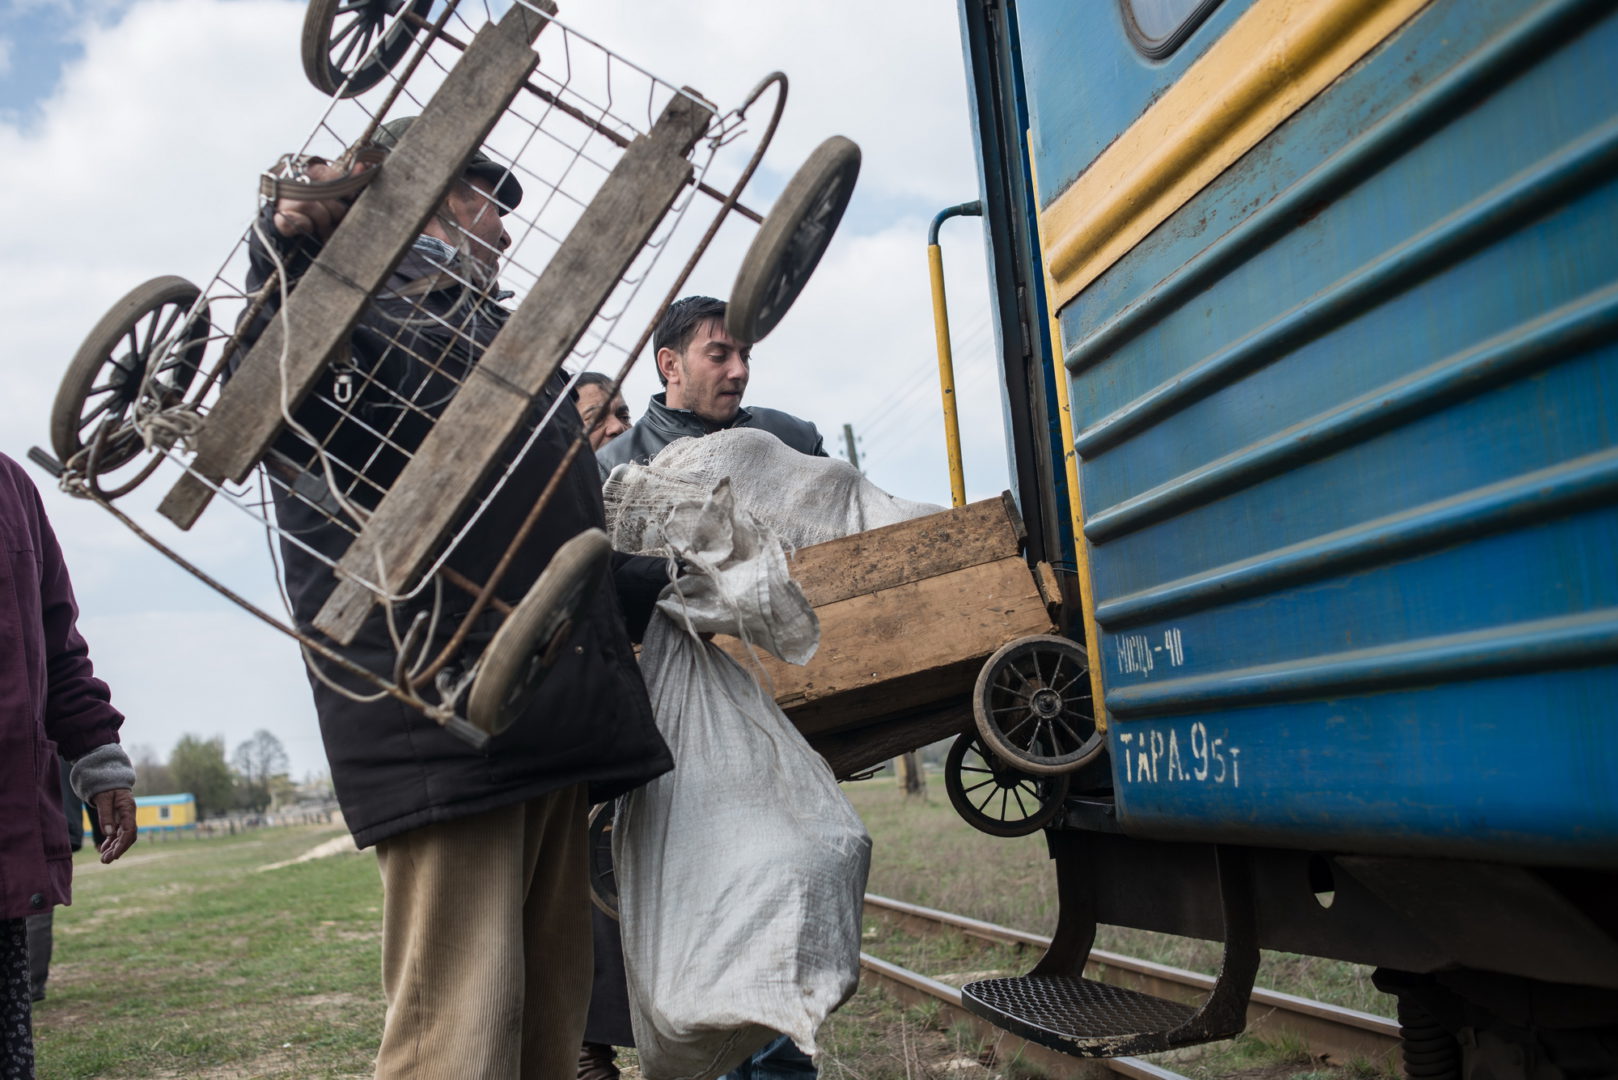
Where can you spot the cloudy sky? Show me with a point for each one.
(131, 136)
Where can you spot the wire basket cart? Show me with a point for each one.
(254, 393)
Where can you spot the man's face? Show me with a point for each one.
(473, 209)
(709, 377)
(592, 398)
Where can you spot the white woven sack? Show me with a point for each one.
(741, 873)
(803, 500)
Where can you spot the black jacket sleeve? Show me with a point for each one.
(639, 579)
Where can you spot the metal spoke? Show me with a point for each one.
(1079, 676)
(982, 806)
(168, 324)
(348, 50)
(1021, 809)
(1077, 741)
(1021, 695)
(1013, 669)
(1009, 732)
(84, 421)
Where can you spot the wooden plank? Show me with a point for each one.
(429, 497)
(883, 558)
(369, 242)
(904, 648)
(856, 750)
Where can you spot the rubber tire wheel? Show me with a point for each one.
(792, 239)
(1084, 744)
(1047, 792)
(95, 361)
(603, 877)
(329, 78)
(513, 664)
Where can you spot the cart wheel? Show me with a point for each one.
(996, 798)
(792, 239)
(342, 55)
(533, 635)
(1033, 708)
(603, 878)
(138, 354)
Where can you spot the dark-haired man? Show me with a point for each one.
(704, 372)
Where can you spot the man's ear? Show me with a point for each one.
(668, 362)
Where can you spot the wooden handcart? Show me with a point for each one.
(936, 627)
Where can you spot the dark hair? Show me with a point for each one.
(593, 378)
(680, 321)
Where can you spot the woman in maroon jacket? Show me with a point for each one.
(51, 705)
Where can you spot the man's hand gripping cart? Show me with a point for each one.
(260, 395)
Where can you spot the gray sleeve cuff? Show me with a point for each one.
(105, 768)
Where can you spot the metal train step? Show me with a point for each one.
(1081, 1017)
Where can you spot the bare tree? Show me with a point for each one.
(152, 773)
(257, 761)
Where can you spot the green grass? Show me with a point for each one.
(186, 960)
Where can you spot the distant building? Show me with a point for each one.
(158, 813)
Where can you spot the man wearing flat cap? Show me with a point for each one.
(486, 927)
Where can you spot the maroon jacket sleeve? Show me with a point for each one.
(79, 715)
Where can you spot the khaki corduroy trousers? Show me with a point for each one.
(486, 944)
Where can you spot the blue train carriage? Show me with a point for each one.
(1333, 290)
(160, 813)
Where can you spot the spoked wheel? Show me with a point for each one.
(603, 879)
(533, 636)
(141, 356)
(350, 45)
(996, 798)
(792, 239)
(1033, 705)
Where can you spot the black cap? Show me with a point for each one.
(507, 191)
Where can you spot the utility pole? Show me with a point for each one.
(848, 444)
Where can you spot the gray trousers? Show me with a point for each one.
(39, 954)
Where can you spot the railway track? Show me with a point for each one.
(1331, 1032)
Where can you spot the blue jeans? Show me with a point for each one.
(780, 1060)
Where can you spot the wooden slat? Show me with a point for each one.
(906, 647)
(909, 551)
(854, 750)
(369, 242)
(423, 505)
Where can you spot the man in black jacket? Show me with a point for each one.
(704, 372)
(486, 932)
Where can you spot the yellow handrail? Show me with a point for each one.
(946, 359)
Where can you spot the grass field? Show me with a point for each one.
(221, 959)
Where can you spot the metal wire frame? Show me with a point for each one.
(360, 488)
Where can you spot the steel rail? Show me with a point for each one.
(916, 989)
(1330, 1031)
